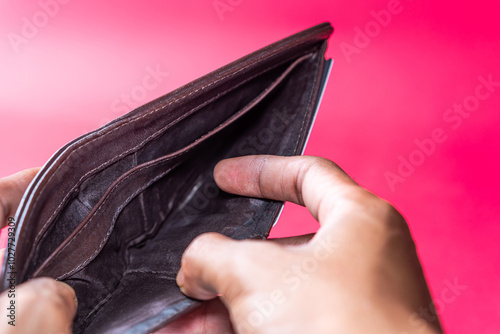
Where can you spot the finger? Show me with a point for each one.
(348, 214)
(12, 189)
(317, 183)
(215, 264)
(42, 305)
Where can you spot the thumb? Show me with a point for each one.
(42, 305)
(11, 191)
(215, 264)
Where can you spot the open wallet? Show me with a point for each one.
(112, 211)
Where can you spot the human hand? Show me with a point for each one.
(359, 273)
(12, 189)
(212, 316)
(41, 305)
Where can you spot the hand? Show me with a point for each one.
(212, 316)
(41, 305)
(12, 189)
(359, 273)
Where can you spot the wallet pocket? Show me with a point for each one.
(92, 233)
(189, 130)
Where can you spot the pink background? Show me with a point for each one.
(67, 78)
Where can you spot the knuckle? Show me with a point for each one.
(358, 199)
(379, 211)
(318, 164)
(201, 244)
(395, 221)
(314, 159)
(391, 213)
(322, 163)
(386, 212)
(204, 240)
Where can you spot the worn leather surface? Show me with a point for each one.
(112, 212)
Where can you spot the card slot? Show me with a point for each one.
(90, 236)
(87, 240)
(91, 187)
(50, 236)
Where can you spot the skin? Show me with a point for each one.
(359, 273)
(43, 305)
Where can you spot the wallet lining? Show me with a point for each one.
(63, 253)
(44, 232)
(41, 253)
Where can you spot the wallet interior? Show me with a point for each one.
(129, 202)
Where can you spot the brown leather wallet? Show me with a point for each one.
(112, 211)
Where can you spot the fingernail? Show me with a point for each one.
(65, 286)
(68, 288)
(180, 278)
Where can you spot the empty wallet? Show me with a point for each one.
(112, 211)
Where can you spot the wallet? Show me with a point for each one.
(112, 211)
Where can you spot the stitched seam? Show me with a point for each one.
(134, 194)
(49, 221)
(166, 274)
(102, 302)
(309, 104)
(114, 188)
(98, 249)
(118, 157)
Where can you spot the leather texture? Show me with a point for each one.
(112, 211)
